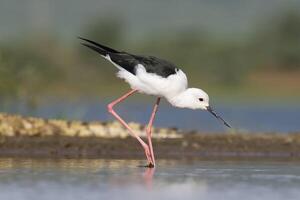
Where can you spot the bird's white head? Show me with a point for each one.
(192, 98)
(195, 98)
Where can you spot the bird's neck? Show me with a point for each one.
(181, 100)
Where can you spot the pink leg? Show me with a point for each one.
(149, 129)
(110, 109)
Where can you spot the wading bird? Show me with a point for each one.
(153, 76)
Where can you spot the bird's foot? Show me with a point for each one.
(150, 165)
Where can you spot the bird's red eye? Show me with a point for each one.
(201, 99)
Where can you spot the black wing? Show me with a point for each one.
(156, 65)
(129, 61)
(101, 46)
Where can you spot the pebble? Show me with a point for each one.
(12, 125)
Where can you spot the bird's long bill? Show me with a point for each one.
(209, 109)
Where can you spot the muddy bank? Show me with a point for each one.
(191, 146)
(33, 137)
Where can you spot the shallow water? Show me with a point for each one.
(70, 179)
(264, 117)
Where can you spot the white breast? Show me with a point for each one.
(152, 84)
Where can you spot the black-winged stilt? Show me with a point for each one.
(152, 76)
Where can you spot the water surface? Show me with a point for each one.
(70, 179)
(250, 117)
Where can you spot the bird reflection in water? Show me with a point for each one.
(148, 177)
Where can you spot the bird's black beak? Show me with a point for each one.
(209, 109)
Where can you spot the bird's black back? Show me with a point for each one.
(156, 65)
(129, 62)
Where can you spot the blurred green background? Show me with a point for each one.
(239, 50)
